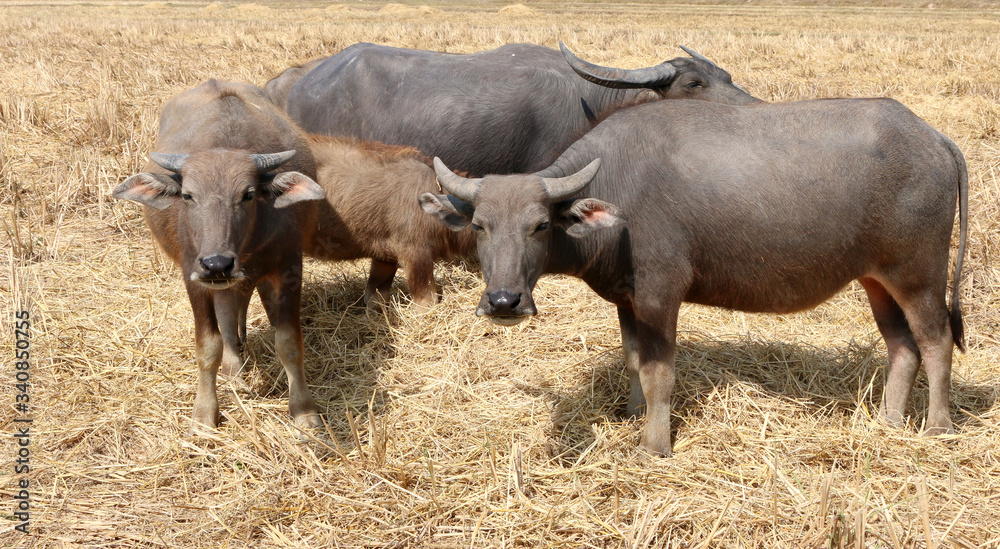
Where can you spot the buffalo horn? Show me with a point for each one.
(456, 185)
(172, 162)
(698, 56)
(648, 77)
(268, 162)
(561, 188)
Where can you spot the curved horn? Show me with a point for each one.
(172, 162)
(268, 162)
(697, 55)
(648, 77)
(456, 185)
(561, 188)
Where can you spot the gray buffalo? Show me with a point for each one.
(509, 110)
(761, 208)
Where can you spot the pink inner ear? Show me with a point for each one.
(143, 188)
(595, 214)
(146, 190)
(599, 217)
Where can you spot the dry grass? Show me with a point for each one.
(445, 431)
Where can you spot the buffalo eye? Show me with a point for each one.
(249, 195)
(477, 228)
(543, 226)
(694, 84)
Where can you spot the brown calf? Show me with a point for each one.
(371, 210)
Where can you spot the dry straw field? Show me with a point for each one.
(444, 430)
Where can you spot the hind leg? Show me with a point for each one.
(904, 355)
(379, 281)
(917, 323)
(928, 317)
(231, 312)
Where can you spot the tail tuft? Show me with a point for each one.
(957, 327)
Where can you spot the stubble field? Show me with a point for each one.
(444, 430)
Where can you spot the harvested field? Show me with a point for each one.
(445, 430)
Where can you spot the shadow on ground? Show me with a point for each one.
(346, 346)
(804, 379)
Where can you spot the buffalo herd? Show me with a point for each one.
(548, 163)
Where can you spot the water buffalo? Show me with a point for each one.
(230, 197)
(508, 110)
(762, 208)
(371, 210)
(236, 220)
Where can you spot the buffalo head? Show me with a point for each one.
(694, 77)
(218, 194)
(513, 217)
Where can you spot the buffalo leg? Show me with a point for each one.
(927, 315)
(282, 304)
(379, 281)
(656, 334)
(265, 288)
(420, 279)
(630, 349)
(208, 355)
(903, 353)
(231, 313)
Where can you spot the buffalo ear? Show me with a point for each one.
(292, 187)
(155, 190)
(582, 216)
(646, 96)
(452, 211)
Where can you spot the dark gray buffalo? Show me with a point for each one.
(230, 197)
(762, 208)
(509, 110)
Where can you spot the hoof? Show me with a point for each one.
(938, 430)
(201, 429)
(309, 421)
(311, 424)
(653, 453)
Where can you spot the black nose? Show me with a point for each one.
(218, 265)
(503, 302)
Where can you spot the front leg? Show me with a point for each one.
(656, 333)
(420, 279)
(208, 355)
(282, 300)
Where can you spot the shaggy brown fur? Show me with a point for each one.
(372, 210)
